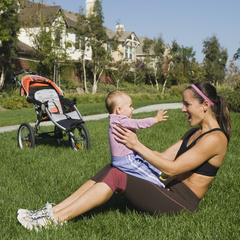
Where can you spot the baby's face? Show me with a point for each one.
(126, 106)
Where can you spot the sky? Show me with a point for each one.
(189, 22)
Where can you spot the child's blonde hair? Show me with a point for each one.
(112, 99)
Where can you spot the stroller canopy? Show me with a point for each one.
(33, 81)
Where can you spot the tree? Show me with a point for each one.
(233, 75)
(119, 70)
(215, 60)
(147, 49)
(50, 48)
(159, 49)
(9, 27)
(97, 37)
(172, 65)
(237, 54)
(82, 31)
(184, 63)
(187, 58)
(154, 58)
(122, 68)
(198, 73)
(93, 35)
(46, 31)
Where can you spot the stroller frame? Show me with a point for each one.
(50, 104)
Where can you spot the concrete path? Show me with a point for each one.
(105, 115)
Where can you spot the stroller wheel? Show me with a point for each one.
(25, 136)
(58, 135)
(80, 137)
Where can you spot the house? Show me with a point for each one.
(127, 44)
(31, 13)
(127, 40)
(63, 23)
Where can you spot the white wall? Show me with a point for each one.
(75, 54)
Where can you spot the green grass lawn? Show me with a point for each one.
(49, 172)
(18, 116)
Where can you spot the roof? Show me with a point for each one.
(139, 49)
(32, 13)
(122, 36)
(71, 18)
(24, 48)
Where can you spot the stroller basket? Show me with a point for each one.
(50, 105)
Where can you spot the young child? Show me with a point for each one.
(119, 106)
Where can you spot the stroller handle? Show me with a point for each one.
(24, 71)
(15, 78)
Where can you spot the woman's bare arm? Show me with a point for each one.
(207, 147)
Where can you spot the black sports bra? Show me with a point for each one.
(206, 168)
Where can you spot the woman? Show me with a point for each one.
(193, 161)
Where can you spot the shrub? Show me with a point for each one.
(70, 85)
(232, 96)
(177, 90)
(142, 88)
(105, 88)
(87, 98)
(233, 99)
(16, 102)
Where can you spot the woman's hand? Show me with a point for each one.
(126, 136)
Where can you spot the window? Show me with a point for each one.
(131, 52)
(58, 37)
(155, 62)
(77, 41)
(128, 52)
(109, 47)
(80, 42)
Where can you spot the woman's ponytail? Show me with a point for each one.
(222, 115)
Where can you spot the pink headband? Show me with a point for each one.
(202, 95)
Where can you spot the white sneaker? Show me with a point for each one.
(36, 222)
(39, 212)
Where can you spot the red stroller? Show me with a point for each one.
(50, 105)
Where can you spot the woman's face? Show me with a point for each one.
(192, 108)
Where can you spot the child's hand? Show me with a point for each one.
(160, 117)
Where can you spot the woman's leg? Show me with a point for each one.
(74, 196)
(153, 199)
(100, 175)
(94, 196)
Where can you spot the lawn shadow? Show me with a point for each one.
(46, 139)
(117, 202)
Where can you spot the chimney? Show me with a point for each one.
(119, 28)
(89, 7)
